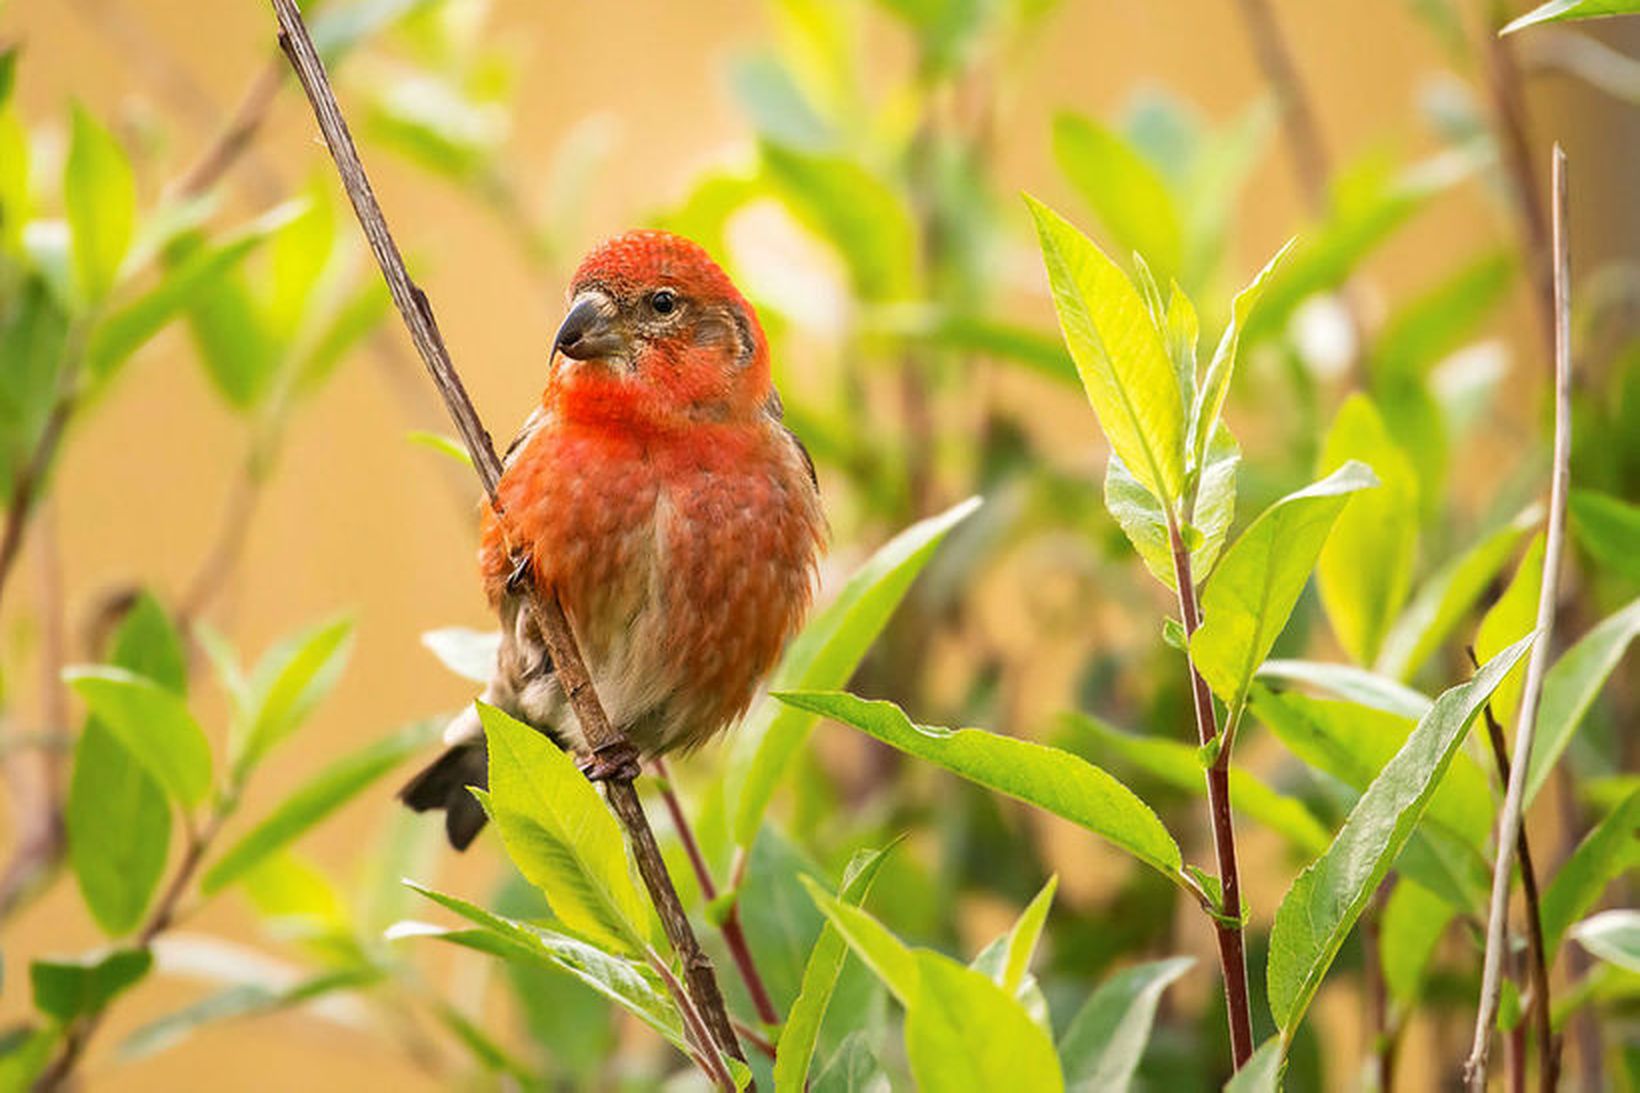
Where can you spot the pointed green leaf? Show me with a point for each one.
(1608, 528)
(1606, 853)
(964, 1032)
(1246, 602)
(1119, 354)
(1022, 939)
(825, 655)
(1325, 901)
(1262, 1073)
(1348, 682)
(66, 989)
(889, 958)
(154, 725)
(1366, 567)
(1050, 779)
(562, 836)
(241, 1000)
(1144, 521)
(1556, 10)
(316, 799)
(1613, 936)
(1102, 1046)
(100, 196)
(1570, 687)
(1206, 410)
(1128, 196)
(290, 680)
(801, 1031)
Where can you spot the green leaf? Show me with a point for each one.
(441, 443)
(154, 725)
(854, 210)
(1023, 937)
(1354, 743)
(66, 989)
(1353, 684)
(1328, 897)
(316, 799)
(1446, 597)
(823, 656)
(1101, 1048)
(1613, 936)
(964, 1032)
(1208, 406)
(1246, 602)
(241, 1000)
(801, 1031)
(117, 816)
(1128, 196)
(1606, 853)
(1608, 527)
(1366, 567)
(1413, 922)
(15, 203)
(1512, 617)
(769, 95)
(1570, 687)
(1041, 352)
(1144, 521)
(1261, 1073)
(468, 653)
(889, 958)
(290, 680)
(1557, 10)
(1176, 764)
(1054, 780)
(630, 984)
(100, 196)
(561, 835)
(1119, 354)
(1438, 322)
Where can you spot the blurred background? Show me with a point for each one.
(261, 462)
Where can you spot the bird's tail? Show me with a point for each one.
(444, 785)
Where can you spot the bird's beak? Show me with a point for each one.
(588, 332)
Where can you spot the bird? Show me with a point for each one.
(658, 491)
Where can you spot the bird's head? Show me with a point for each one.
(652, 316)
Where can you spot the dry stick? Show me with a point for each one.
(607, 742)
(733, 935)
(1232, 956)
(1509, 824)
(1536, 960)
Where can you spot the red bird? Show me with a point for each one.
(657, 490)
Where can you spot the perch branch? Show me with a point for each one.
(605, 740)
(1227, 926)
(1509, 823)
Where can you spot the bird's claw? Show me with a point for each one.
(518, 579)
(615, 762)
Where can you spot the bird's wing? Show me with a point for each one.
(531, 426)
(777, 412)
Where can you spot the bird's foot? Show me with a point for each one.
(616, 762)
(519, 579)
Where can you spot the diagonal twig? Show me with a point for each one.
(604, 738)
(1526, 728)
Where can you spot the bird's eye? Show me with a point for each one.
(664, 302)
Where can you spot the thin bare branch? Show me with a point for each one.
(1509, 823)
(609, 747)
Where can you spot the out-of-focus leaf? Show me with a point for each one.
(438, 124)
(15, 206)
(8, 73)
(1208, 405)
(25, 1052)
(66, 989)
(1246, 603)
(1446, 596)
(854, 210)
(1262, 1073)
(359, 314)
(117, 815)
(443, 444)
(1101, 1047)
(1613, 936)
(628, 983)
(1328, 897)
(1177, 764)
(1570, 687)
(316, 799)
(100, 196)
(1054, 780)
(1348, 682)
(33, 336)
(1144, 522)
(1128, 196)
(1043, 353)
(801, 1031)
(1606, 853)
(1556, 10)
(776, 106)
(825, 655)
(562, 836)
(1366, 567)
(154, 725)
(1413, 921)
(290, 889)
(243, 1000)
(1608, 528)
(240, 353)
(468, 653)
(1439, 321)
(291, 679)
(340, 28)
(945, 29)
(297, 256)
(1507, 621)
(1354, 743)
